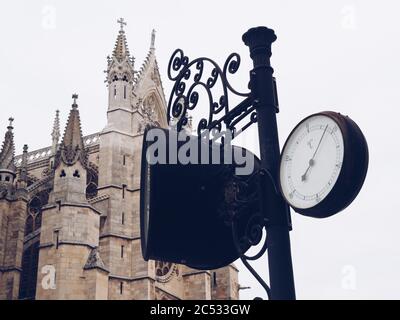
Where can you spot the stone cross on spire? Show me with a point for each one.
(11, 119)
(75, 97)
(122, 22)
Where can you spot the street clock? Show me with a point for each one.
(323, 164)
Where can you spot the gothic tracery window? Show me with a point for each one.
(91, 183)
(151, 108)
(165, 270)
(34, 218)
(30, 259)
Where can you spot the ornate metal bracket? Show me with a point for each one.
(204, 74)
(244, 199)
(241, 195)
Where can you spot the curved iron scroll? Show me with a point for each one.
(245, 202)
(190, 77)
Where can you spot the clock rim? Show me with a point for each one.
(285, 145)
(352, 172)
(145, 229)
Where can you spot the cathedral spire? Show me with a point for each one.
(121, 50)
(72, 147)
(23, 170)
(55, 134)
(149, 73)
(121, 63)
(8, 150)
(120, 75)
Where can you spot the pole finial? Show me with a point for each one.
(122, 22)
(259, 41)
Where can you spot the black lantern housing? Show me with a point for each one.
(186, 209)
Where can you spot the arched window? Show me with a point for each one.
(30, 259)
(29, 224)
(152, 107)
(30, 256)
(34, 218)
(91, 183)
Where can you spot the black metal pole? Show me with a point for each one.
(277, 212)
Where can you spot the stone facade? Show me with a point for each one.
(69, 213)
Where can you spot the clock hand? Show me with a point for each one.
(319, 143)
(311, 162)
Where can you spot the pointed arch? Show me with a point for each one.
(34, 214)
(92, 179)
(30, 254)
(153, 102)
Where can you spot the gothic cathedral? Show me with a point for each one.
(69, 213)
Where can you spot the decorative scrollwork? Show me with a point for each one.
(242, 209)
(203, 74)
(245, 210)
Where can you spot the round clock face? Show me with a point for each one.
(311, 161)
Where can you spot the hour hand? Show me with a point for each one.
(310, 164)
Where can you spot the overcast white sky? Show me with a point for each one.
(330, 55)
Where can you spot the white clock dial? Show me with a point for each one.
(311, 161)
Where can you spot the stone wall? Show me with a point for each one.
(69, 232)
(12, 225)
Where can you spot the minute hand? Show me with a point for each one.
(319, 143)
(311, 162)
